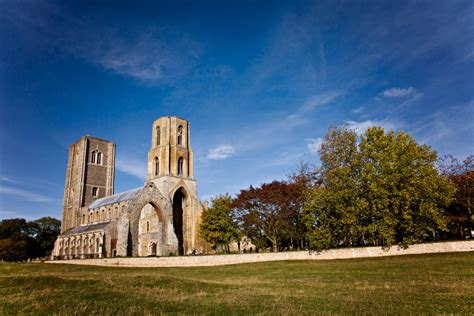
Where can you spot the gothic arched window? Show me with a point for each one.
(99, 158)
(157, 166)
(95, 191)
(180, 135)
(180, 165)
(93, 157)
(158, 136)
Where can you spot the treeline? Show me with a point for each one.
(21, 240)
(378, 188)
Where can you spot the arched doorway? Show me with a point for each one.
(150, 226)
(179, 202)
(153, 249)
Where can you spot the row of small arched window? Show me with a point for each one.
(100, 216)
(180, 166)
(179, 135)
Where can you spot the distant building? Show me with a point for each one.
(161, 218)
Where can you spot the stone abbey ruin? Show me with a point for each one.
(159, 219)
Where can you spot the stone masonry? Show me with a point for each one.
(159, 219)
(332, 254)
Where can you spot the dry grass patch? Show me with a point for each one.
(418, 284)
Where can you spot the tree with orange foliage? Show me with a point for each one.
(265, 213)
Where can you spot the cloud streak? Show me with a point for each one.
(314, 144)
(158, 55)
(221, 152)
(399, 92)
(153, 55)
(134, 168)
(362, 126)
(24, 194)
(318, 100)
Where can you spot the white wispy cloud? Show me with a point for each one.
(155, 54)
(361, 127)
(397, 99)
(286, 158)
(442, 128)
(132, 167)
(314, 144)
(310, 103)
(358, 110)
(399, 92)
(24, 194)
(318, 100)
(7, 179)
(221, 152)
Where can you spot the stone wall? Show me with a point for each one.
(129, 220)
(216, 260)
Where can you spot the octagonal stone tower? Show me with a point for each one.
(170, 153)
(170, 168)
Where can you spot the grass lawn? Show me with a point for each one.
(415, 284)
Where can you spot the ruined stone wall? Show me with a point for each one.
(150, 231)
(128, 225)
(192, 209)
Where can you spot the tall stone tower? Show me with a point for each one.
(170, 167)
(89, 176)
(170, 153)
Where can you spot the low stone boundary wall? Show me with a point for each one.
(217, 260)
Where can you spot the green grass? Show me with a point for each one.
(418, 284)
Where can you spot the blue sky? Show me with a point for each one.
(259, 81)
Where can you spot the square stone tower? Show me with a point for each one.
(89, 176)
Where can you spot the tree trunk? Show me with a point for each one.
(274, 245)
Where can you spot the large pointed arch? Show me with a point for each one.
(181, 184)
(182, 206)
(130, 216)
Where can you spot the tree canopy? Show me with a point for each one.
(20, 240)
(268, 213)
(217, 226)
(461, 211)
(379, 188)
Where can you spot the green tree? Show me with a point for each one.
(303, 179)
(331, 206)
(16, 240)
(45, 231)
(217, 227)
(381, 188)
